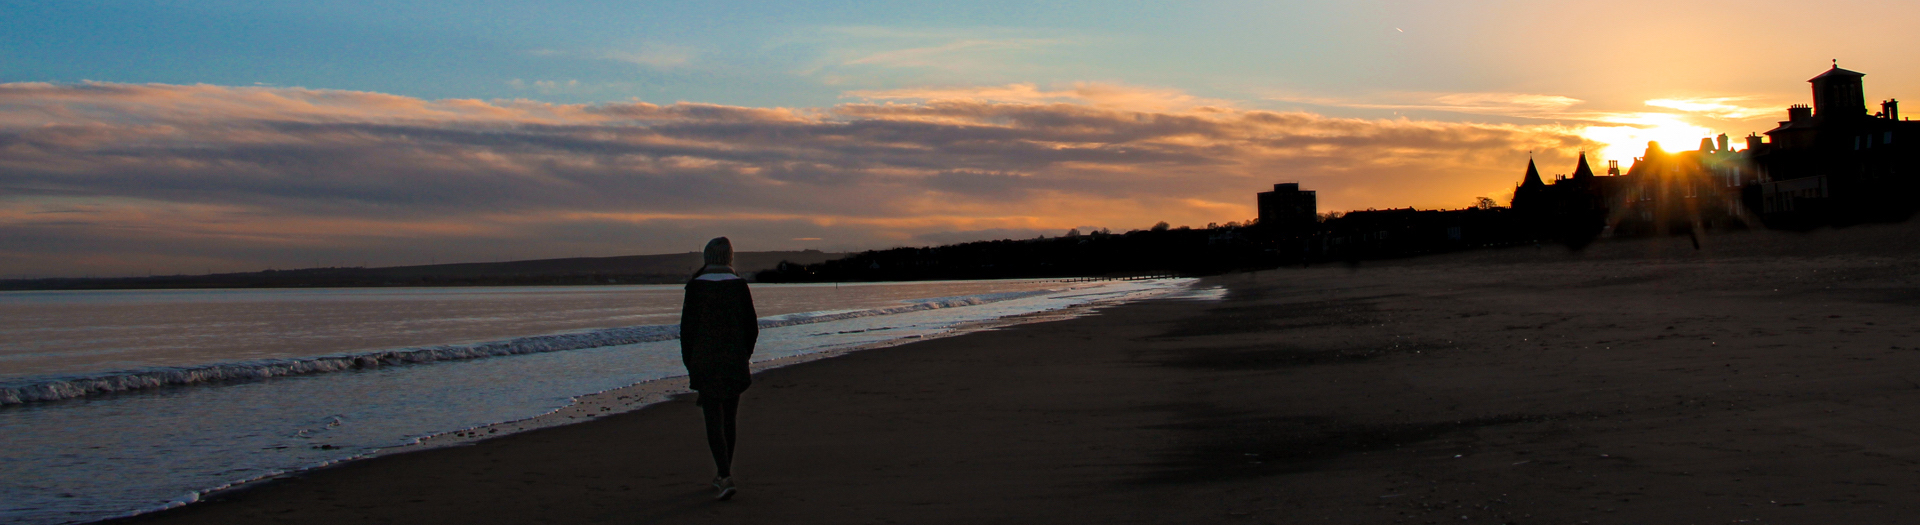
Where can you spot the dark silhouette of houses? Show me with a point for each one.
(1830, 162)
(1685, 191)
(1565, 194)
(1664, 192)
(1833, 161)
(1571, 208)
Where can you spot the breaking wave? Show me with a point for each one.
(69, 387)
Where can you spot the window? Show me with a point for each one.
(1888, 139)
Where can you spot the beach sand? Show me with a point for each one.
(1767, 377)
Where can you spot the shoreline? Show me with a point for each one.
(62, 385)
(1705, 387)
(587, 407)
(646, 393)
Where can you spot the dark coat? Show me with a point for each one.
(717, 330)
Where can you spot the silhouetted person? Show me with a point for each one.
(717, 331)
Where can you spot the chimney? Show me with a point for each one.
(1799, 113)
(1723, 141)
(1613, 167)
(1706, 143)
(1890, 109)
(1753, 142)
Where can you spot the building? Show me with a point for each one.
(1835, 162)
(1566, 194)
(1569, 208)
(1672, 192)
(1288, 211)
(1829, 162)
(1664, 192)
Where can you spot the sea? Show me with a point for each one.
(115, 403)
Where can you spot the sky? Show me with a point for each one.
(176, 137)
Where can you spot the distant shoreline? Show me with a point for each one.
(575, 271)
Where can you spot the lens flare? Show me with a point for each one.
(1629, 139)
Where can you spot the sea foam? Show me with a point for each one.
(54, 388)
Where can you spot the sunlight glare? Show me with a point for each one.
(1629, 139)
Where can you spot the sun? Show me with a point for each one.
(1629, 138)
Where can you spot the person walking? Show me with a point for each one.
(718, 328)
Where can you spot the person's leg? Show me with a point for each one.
(719, 434)
(732, 413)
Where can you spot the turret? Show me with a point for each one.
(1581, 171)
(1533, 177)
(1838, 93)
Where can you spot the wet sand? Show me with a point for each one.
(1636, 382)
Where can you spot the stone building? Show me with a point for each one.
(1835, 162)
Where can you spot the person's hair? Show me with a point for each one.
(719, 252)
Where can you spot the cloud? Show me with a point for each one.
(891, 57)
(653, 56)
(571, 86)
(1621, 133)
(1478, 103)
(1089, 93)
(103, 177)
(1716, 107)
(650, 56)
(950, 55)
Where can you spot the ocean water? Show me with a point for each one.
(114, 403)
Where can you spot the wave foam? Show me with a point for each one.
(69, 387)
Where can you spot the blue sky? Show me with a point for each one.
(1337, 58)
(834, 125)
(808, 53)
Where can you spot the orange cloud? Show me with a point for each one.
(1716, 107)
(1088, 93)
(276, 176)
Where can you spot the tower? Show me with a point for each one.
(1533, 176)
(1582, 172)
(1529, 196)
(1287, 209)
(1838, 93)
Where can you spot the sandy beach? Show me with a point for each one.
(1764, 378)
